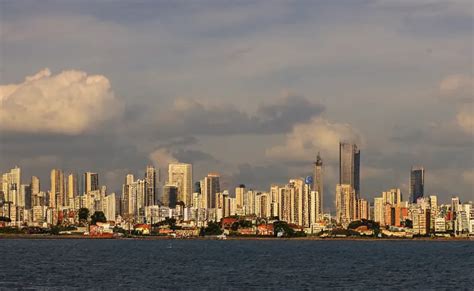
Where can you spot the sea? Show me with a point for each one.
(235, 264)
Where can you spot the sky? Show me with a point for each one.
(250, 89)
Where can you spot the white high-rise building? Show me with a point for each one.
(72, 189)
(379, 210)
(239, 196)
(11, 185)
(108, 206)
(392, 196)
(181, 175)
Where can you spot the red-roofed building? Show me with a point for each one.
(265, 229)
(247, 231)
(227, 222)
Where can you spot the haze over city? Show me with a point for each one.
(252, 90)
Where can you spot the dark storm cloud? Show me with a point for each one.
(193, 156)
(190, 117)
(442, 136)
(254, 176)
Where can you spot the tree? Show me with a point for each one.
(129, 220)
(284, 228)
(5, 219)
(235, 226)
(213, 228)
(169, 221)
(408, 223)
(98, 216)
(245, 223)
(83, 214)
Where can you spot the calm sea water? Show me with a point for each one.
(201, 264)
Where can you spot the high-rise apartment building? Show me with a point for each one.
(151, 183)
(239, 196)
(363, 209)
(72, 189)
(57, 192)
(108, 206)
(345, 204)
(11, 185)
(349, 166)
(181, 175)
(417, 183)
(392, 196)
(318, 181)
(35, 185)
(35, 191)
(379, 210)
(210, 188)
(91, 182)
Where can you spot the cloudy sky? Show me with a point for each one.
(250, 89)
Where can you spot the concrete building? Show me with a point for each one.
(57, 192)
(239, 197)
(345, 204)
(151, 197)
(379, 210)
(91, 182)
(181, 175)
(211, 186)
(72, 189)
(108, 207)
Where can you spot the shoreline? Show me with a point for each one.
(234, 238)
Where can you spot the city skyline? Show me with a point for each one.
(180, 176)
(251, 144)
(253, 91)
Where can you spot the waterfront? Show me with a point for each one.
(285, 264)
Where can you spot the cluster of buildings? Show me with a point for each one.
(148, 199)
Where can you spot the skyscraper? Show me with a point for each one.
(35, 185)
(72, 189)
(417, 183)
(239, 196)
(318, 182)
(211, 188)
(150, 179)
(349, 166)
(57, 193)
(11, 185)
(128, 195)
(181, 175)
(35, 190)
(345, 204)
(91, 182)
(170, 196)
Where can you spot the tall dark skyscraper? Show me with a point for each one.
(170, 196)
(417, 183)
(318, 180)
(349, 166)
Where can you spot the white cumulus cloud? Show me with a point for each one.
(465, 119)
(317, 135)
(71, 102)
(161, 157)
(458, 86)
